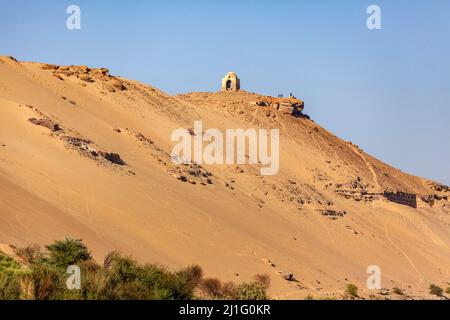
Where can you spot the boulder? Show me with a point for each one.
(117, 84)
(45, 123)
(100, 71)
(82, 69)
(288, 276)
(112, 157)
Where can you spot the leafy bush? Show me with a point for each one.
(351, 290)
(10, 272)
(251, 291)
(126, 279)
(44, 278)
(8, 265)
(437, 291)
(47, 282)
(447, 291)
(67, 252)
(9, 286)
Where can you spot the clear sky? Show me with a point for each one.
(386, 90)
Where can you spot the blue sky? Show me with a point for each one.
(386, 90)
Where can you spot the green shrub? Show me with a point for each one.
(10, 273)
(124, 269)
(251, 291)
(351, 290)
(437, 291)
(109, 259)
(8, 265)
(92, 281)
(126, 279)
(185, 281)
(67, 252)
(192, 275)
(44, 278)
(447, 291)
(9, 286)
(47, 282)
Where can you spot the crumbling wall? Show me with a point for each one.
(406, 199)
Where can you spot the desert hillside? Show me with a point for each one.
(87, 154)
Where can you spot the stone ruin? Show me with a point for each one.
(406, 199)
(358, 190)
(87, 75)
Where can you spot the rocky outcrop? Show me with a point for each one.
(357, 190)
(109, 83)
(333, 214)
(292, 106)
(87, 148)
(432, 199)
(112, 157)
(439, 187)
(45, 123)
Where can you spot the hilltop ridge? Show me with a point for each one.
(87, 154)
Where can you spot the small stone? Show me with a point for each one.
(288, 276)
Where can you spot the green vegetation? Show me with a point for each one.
(41, 275)
(9, 278)
(351, 291)
(67, 252)
(437, 291)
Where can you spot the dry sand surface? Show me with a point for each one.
(321, 218)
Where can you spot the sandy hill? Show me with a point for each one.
(87, 154)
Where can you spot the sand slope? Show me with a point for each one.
(54, 184)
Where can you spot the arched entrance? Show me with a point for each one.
(228, 85)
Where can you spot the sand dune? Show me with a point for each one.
(322, 218)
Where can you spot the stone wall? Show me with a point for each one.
(406, 199)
